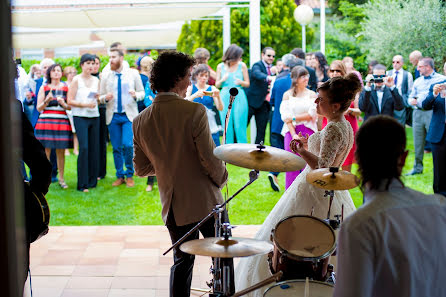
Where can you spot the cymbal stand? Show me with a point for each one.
(220, 280)
(336, 222)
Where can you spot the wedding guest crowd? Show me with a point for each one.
(276, 91)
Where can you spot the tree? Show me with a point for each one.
(278, 29)
(401, 26)
(336, 5)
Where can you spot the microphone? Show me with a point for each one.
(232, 93)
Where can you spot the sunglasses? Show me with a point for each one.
(271, 56)
(335, 70)
(395, 62)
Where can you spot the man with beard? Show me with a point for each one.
(120, 89)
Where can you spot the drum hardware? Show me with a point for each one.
(220, 270)
(332, 275)
(274, 278)
(300, 287)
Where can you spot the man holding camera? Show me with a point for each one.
(380, 95)
(422, 118)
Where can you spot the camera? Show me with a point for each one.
(377, 78)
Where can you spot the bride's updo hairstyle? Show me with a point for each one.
(342, 90)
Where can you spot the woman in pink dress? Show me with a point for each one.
(337, 68)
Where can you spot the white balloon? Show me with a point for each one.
(303, 14)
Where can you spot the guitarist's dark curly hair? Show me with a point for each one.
(168, 69)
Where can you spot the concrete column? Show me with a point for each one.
(254, 32)
(254, 47)
(323, 26)
(226, 28)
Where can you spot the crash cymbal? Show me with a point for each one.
(259, 157)
(332, 179)
(230, 248)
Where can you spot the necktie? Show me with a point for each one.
(119, 93)
(268, 69)
(396, 77)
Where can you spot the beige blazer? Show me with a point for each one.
(171, 139)
(132, 77)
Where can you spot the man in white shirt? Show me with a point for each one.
(120, 89)
(403, 81)
(393, 245)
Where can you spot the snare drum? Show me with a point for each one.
(302, 246)
(297, 288)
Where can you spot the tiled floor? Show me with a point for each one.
(109, 261)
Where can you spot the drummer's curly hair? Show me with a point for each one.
(168, 69)
(380, 142)
(342, 90)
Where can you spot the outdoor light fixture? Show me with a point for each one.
(303, 14)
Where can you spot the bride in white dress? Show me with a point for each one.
(323, 149)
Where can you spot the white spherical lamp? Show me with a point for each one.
(303, 14)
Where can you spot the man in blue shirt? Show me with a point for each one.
(281, 85)
(422, 118)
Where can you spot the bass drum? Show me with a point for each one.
(302, 248)
(297, 288)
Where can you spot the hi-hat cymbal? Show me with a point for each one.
(259, 157)
(332, 179)
(221, 248)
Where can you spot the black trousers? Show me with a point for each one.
(181, 270)
(439, 158)
(261, 115)
(87, 130)
(103, 139)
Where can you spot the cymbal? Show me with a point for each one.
(259, 157)
(221, 248)
(332, 179)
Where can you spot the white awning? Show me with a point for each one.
(142, 39)
(107, 17)
(49, 39)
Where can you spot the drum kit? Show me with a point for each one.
(301, 244)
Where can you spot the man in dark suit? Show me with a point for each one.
(312, 83)
(381, 98)
(436, 134)
(260, 77)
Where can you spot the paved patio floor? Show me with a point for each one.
(109, 261)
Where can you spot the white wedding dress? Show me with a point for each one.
(332, 146)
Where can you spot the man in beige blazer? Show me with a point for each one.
(120, 88)
(172, 140)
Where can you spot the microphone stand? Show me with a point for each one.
(232, 92)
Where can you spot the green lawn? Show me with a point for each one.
(107, 205)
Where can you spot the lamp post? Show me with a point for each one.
(303, 14)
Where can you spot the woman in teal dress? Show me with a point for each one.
(233, 73)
